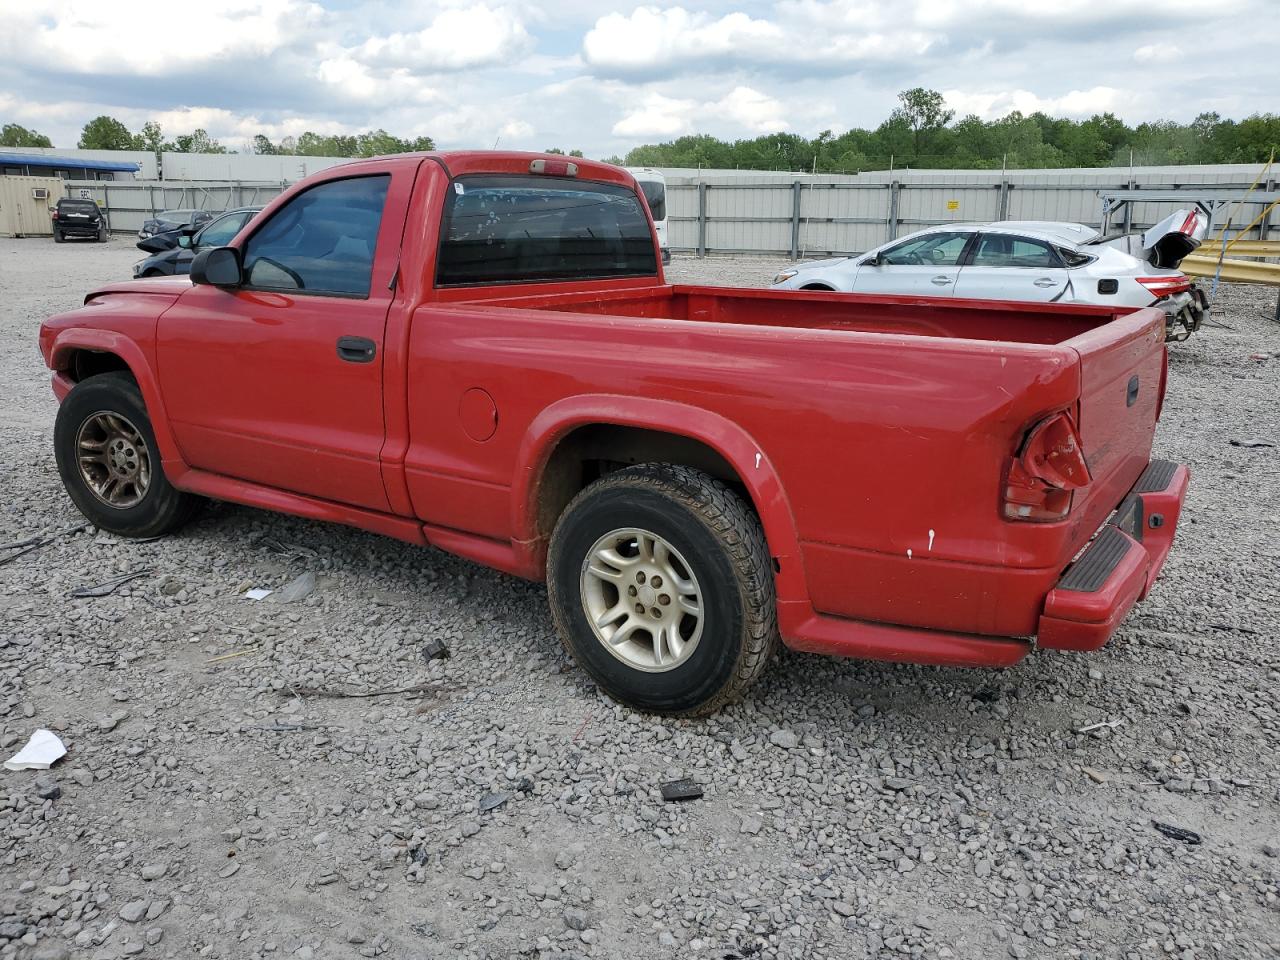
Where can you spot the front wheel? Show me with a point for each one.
(662, 589)
(109, 463)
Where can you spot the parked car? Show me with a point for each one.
(177, 260)
(479, 351)
(78, 218)
(167, 220)
(1036, 261)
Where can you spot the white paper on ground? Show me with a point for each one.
(257, 593)
(41, 752)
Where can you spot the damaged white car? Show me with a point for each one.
(1029, 261)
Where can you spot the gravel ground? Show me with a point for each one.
(216, 801)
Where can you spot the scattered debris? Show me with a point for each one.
(108, 587)
(31, 544)
(1177, 833)
(299, 588)
(435, 650)
(42, 751)
(47, 788)
(1111, 724)
(676, 791)
(492, 801)
(257, 593)
(278, 727)
(1094, 775)
(1250, 444)
(319, 692)
(231, 656)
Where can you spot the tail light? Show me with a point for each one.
(554, 168)
(1165, 286)
(55, 214)
(1164, 381)
(1047, 469)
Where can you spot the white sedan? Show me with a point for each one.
(1026, 260)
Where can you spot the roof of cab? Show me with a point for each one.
(458, 163)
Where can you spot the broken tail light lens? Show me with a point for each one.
(1165, 286)
(1047, 469)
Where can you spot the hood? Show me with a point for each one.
(819, 264)
(171, 287)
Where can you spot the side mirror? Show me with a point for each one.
(184, 240)
(873, 261)
(218, 267)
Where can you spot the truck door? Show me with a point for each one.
(925, 266)
(1004, 267)
(279, 381)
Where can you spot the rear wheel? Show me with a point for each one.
(661, 587)
(102, 235)
(57, 236)
(109, 463)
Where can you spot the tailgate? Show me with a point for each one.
(1122, 368)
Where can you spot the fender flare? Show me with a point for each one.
(109, 341)
(722, 435)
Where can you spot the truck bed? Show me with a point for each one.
(1048, 323)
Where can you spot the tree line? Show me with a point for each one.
(923, 132)
(108, 133)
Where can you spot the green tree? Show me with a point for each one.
(925, 113)
(16, 135)
(197, 141)
(105, 133)
(262, 144)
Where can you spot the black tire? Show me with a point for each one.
(723, 543)
(161, 508)
(818, 286)
(153, 272)
(102, 235)
(57, 236)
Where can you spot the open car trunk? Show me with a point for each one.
(1165, 244)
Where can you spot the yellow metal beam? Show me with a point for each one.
(1243, 248)
(1236, 271)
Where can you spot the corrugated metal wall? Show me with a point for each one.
(846, 214)
(129, 203)
(21, 214)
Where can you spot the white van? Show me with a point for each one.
(654, 186)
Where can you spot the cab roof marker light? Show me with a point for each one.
(554, 168)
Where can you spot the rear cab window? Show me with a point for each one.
(78, 206)
(530, 229)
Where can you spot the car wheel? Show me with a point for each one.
(662, 589)
(109, 463)
(153, 272)
(58, 237)
(102, 235)
(818, 286)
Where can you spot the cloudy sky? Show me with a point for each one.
(607, 75)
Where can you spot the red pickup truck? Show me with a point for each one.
(478, 351)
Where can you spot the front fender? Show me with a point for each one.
(724, 436)
(65, 344)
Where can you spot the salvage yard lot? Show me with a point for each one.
(225, 796)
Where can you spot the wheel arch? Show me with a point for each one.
(78, 354)
(545, 480)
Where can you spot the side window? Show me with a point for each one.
(321, 241)
(529, 229)
(1001, 250)
(931, 250)
(221, 232)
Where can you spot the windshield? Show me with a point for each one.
(655, 193)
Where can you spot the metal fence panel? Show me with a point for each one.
(127, 204)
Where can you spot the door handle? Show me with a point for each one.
(941, 281)
(1046, 282)
(356, 349)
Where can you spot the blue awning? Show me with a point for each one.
(65, 163)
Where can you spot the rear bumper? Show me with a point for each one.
(1081, 612)
(1119, 567)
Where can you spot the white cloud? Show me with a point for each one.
(651, 39)
(664, 117)
(454, 40)
(1076, 103)
(1156, 53)
(128, 37)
